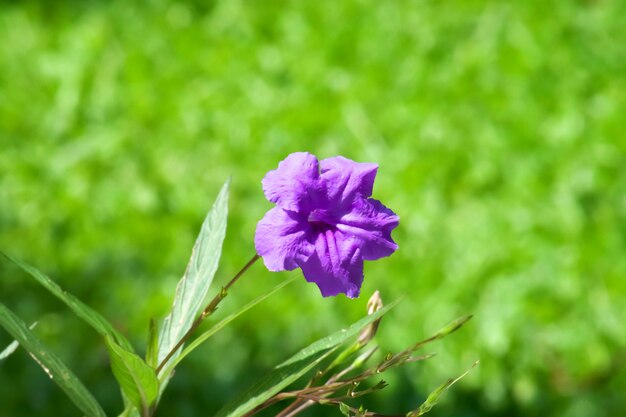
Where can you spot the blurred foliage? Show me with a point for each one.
(498, 128)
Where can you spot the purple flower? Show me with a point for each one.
(324, 221)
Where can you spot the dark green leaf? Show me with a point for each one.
(137, 380)
(51, 364)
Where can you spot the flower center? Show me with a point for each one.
(320, 220)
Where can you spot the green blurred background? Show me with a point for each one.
(498, 127)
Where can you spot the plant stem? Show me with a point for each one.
(208, 310)
(294, 408)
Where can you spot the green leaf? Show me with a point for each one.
(434, 397)
(51, 364)
(219, 326)
(452, 327)
(86, 313)
(296, 366)
(444, 331)
(9, 350)
(194, 285)
(136, 378)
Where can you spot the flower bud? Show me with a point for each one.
(374, 304)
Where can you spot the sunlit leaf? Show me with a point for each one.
(194, 285)
(50, 363)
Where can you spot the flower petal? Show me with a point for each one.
(371, 223)
(345, 179)
(281, 240)
(290, 184)
(336, 266)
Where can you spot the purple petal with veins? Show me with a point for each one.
(324, 221)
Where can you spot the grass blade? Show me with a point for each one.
(51, 364)
(86, 313)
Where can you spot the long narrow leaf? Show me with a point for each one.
(434, 397)
(86, 313)
(194, 285)
(296, 366)
(9, 350)
(220, 325)
(51, 364)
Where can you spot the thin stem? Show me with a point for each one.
(208, 310)
(338, 401)
(302, 403)
(295, 407)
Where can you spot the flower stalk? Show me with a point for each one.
(208, 310)
(327, 393)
